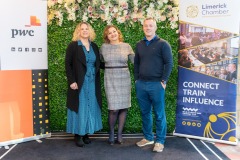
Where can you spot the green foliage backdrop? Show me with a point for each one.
(58, 39)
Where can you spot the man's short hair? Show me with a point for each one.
(150, 18)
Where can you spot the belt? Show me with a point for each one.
(111, 67)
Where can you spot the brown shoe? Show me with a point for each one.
(158, 147)
(144, 142)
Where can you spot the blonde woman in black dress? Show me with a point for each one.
(117, 82)
(84, 99)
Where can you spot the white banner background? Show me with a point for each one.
(226, 18)
(23, 47)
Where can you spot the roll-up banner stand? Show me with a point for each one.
(24, 108)
(207, 70)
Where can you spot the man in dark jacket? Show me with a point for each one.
(152, 67)
(232, 73)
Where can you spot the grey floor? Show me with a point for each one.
(62, 147)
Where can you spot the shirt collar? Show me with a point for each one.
(145, 39)
(80, 43)
(149, 42)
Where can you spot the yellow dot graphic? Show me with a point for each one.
(213, 118)
(232, 139)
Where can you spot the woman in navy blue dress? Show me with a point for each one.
(84, 99)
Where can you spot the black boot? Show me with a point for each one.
(86, 139)
(79, 140)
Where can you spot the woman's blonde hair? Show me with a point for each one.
(76, 37)
(105, 34)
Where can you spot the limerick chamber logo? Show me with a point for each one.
(34, 21)
(192, 11)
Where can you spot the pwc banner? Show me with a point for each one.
(24, 108)
(207, 70)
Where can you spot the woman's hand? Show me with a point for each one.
(74, 86)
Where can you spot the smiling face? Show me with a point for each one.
(149, 28)
(113, 35)
(84, 31)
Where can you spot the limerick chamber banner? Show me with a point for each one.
(24, 112)
(207, 70)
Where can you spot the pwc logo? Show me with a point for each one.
(34, 21)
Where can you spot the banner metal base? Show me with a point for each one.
(205, 139)
(15, 141)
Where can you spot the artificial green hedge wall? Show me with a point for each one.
(58, 39)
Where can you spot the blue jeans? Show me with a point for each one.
(152, 95)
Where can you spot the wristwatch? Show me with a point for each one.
(164, 82)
